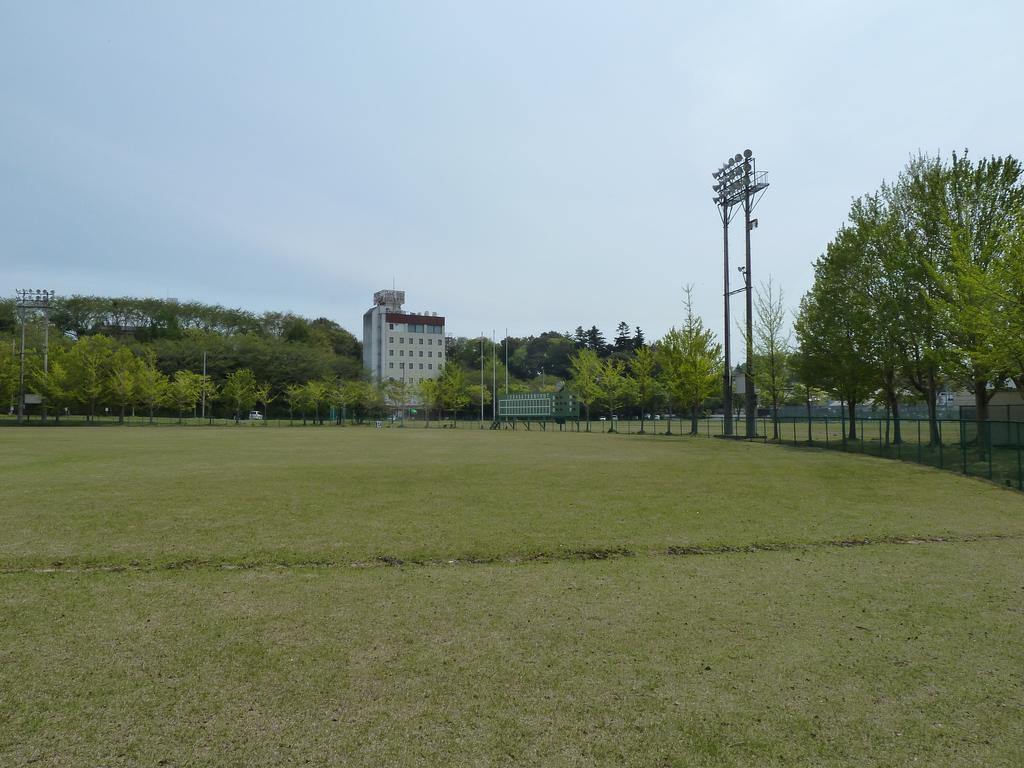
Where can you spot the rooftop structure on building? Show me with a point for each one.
(401, 345)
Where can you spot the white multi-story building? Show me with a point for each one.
(400, 345)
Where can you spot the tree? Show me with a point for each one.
(615, 387)
(585, 369)
(122, 379)
(184, 391)
(396, 395)
(835, 326)
(691, 361)
(88, 367)
(430, 394)
(981, 209)
(151, 386)
(623, 341)
(595, 341)
(317, 392)
(265, 395)
(771, 348)
(53, 384)
(240, 391)
(454, 389)
(297, 396)
(910, 270)
(642, 367)
(9, 372)
(802, 392)
(638, 338)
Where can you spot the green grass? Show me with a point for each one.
(217, 597)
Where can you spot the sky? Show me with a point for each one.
(524, 165)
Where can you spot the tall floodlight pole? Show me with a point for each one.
(204, 385)
(738, 182)
(481, 379)
(494, 379)
(725, 213)
(32, 299)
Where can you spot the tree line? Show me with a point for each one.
(922, 288)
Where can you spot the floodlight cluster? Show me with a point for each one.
(732, 177)
(34, 296)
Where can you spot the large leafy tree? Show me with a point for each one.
(835, 325)
(981, 212)
(909, 273)
(88, 368)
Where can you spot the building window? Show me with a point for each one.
(421, 340)
(430, 341)
(391, 326)
(402, 366)
(391, 365)
(430, 366)
(391, 353)
(391, 339)
(421, 353)
(401, 340)
(430, 354)
(421, 366)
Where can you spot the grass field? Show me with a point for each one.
(353, 596)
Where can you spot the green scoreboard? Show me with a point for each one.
(549, 406)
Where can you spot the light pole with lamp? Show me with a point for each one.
(32, 299)
(738, 181)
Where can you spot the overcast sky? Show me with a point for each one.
(530, 165)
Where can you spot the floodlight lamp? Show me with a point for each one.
(737, 158)
(747, 153)
(746, 166)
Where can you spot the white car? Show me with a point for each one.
(255, 416)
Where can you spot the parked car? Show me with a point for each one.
(255, 416)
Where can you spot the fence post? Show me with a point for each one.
(826, 431)
(941, 458)
(918, 441)
(880, 439)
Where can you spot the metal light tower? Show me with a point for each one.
(738, 181)
(32, 299)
